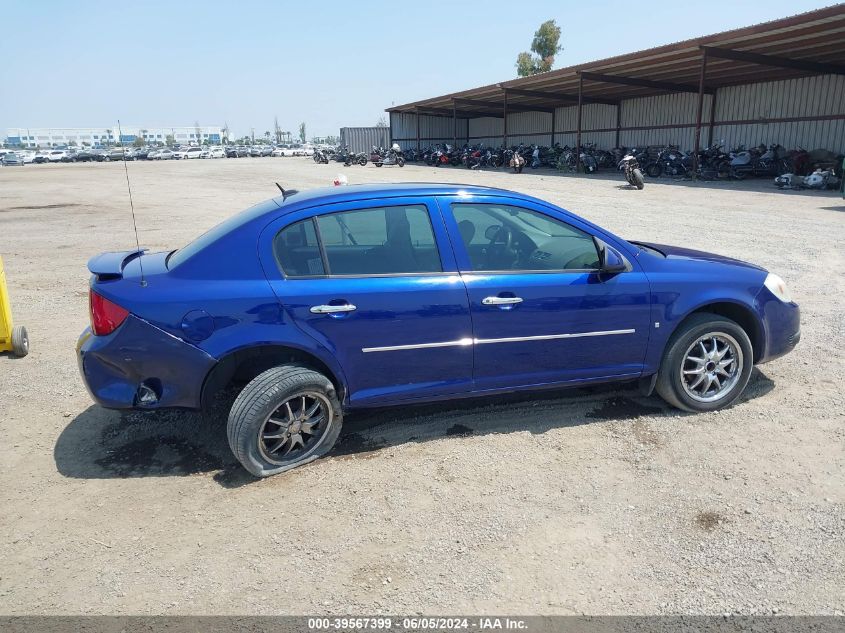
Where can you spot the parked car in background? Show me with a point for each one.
(231, 151)
(284, 150)
(12, 159)
(216, 152)
(165, 154)
(28, 156)
(255, 151)
(70, 156)
(115, 153)
(41, 157)
(141, 153)
(187, 153)
(329, 300)
(266, 150)
(56, 155)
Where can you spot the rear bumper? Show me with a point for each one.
(114, 367)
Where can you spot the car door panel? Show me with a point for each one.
(538, 327)
(397, 337)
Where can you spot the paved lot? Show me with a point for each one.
(595, 501)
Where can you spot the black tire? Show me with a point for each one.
(669, 382)
(723, 170)
(639, 181)
(266, 393)
(378, 164)
(362, 161)
(653, 170)
(400, 161)
(20, 341)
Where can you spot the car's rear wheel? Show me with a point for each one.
(285, 417)
(706, 364)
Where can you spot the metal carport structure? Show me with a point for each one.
(799, 61)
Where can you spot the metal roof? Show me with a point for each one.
(805, 44)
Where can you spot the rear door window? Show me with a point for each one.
(380, 241)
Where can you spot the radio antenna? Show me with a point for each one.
(131, 204)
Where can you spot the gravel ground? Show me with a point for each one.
(591, 501)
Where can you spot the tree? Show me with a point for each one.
(138, 142)
(277, 129)
(302, 131)
(168, 140)
(225, 132)
(267, 135)
(198, 131)
(546, 45)
(382, 122)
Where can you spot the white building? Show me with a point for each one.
(108, 135)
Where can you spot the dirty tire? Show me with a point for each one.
(637, 176)
(260, 399)
(20, 341)
(668, 378)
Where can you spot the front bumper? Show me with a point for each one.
(137, 354)
(781, 324)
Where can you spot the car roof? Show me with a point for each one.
(351, 193)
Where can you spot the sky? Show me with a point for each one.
(81, 63)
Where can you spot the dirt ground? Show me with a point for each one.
(593, 501)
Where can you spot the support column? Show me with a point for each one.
(554, 114)
(712, 117)
(618, 121)
(417, 119)
(698, 113)
(578, 124)
(505, 121)
(454, 124)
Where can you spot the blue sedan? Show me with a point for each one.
(318, 302)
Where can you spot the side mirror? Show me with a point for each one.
(611, 261)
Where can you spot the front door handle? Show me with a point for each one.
(330, 309)
(501, 301)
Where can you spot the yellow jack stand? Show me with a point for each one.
(12, 339)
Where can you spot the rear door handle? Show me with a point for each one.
(501, 301)
(330, 309)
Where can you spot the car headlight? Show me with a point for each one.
(778, 288)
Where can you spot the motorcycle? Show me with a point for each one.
(588, 163)
(320, 157)
(819, 179)
(515, 160)
(758, 161)
(632, 170)
(353, 158)
(393, 157)
(671, 161)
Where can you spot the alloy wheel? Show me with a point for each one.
(711, 367)
(296, 428)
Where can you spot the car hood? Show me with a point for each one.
(676, 252)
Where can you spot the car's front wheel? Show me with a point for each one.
(706, 364)
(285, 417)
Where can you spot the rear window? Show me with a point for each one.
(209, 237)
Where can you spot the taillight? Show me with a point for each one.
(106, 316)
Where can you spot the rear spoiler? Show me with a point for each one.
(109, 266)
